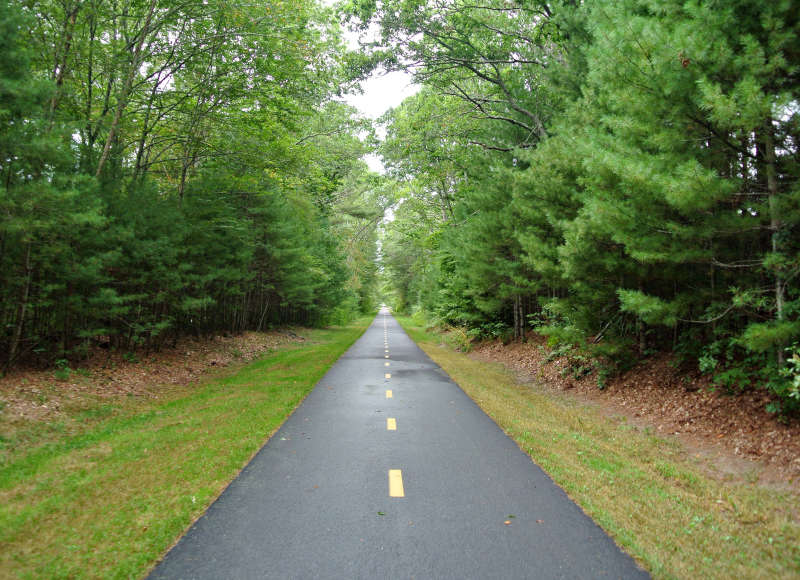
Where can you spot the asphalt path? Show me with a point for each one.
(338, 493)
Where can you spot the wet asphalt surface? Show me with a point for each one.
(315, 501)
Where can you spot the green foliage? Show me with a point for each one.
(419, 319)
(458, 338)
(792, 373)
(612, 358)
(491, 330)
(184, 182)
(557, 335)
(62, 371)
(787, 386)
(618, 175)
(766, 336)
(650, 309)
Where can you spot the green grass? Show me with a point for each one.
(109, 501)
(643, 490)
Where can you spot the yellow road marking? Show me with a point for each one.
(396, 483)
(388, 393)
(391, 424)
(388, 375)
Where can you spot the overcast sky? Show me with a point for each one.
(382, 92)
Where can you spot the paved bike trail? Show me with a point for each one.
(315, 501)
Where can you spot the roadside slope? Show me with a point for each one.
(106, 503)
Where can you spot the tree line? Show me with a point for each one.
(173, 167)
(621, 176)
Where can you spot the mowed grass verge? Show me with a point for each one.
(676, 522)
(108, 502)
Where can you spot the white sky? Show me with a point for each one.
(381, 92)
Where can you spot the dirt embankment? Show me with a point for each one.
(731, 436)
(36, 396)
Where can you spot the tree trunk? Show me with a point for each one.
(124, 95)
(59, 70)
(774, 221)
(21, 309)
(264, 309)
(640, 328)
(186, 164)
(519, 318)
(137, 167)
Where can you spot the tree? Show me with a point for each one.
(657, 205)
(172, 168)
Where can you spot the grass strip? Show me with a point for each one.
(107, 503)
(657, 505)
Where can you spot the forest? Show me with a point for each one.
(620, 177)
(176, 168)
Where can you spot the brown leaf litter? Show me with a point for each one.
(731, 437)
(35, 395)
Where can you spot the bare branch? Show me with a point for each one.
(710, 320)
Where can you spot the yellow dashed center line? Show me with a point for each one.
(395, 475)
(396, 483)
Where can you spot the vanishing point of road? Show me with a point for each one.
(388, 470)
